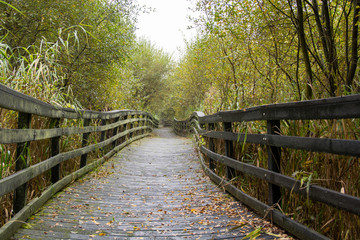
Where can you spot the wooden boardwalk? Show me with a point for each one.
(153, 189)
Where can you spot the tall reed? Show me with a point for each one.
(340, 173)
(34, 71)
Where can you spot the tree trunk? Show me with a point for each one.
(303, 45)
(354, 48)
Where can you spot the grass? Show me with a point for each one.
(339, 173)
(33, 71)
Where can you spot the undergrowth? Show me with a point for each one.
(339, 173)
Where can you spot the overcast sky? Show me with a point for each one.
(167, 26)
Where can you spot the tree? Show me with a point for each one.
(95, 34)
(147, 78)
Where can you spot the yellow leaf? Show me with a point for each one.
(102, 234)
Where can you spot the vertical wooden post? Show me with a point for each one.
(136, 124)
(274, 154)
(115, 132)
(145, 123)
(131, 126)
(55, 150)
(140, 124)
(229, 152)
(22, 154)
(84, 143)
(103, 135)
(123, 128)
(211, 126)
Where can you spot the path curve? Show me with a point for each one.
(153, 189)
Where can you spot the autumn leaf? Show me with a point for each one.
(253, 234)
(94, 221)
(110, 222)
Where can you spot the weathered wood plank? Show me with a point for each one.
(330, 108)
(7, 231)
(155, 189)
(327, 145)
(13, 100)
(20, 135)
(264, 210)
(15, 180)
(316, 193)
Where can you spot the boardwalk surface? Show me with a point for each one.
(153, 189)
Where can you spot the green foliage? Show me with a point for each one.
(90, 37)
(250, 53)
(35, 71)
(5, 157)
(145, 82)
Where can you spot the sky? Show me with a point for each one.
(167, 26)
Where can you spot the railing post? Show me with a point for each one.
(55, 150)
(211, 126)
(140, 124)
(116, 131)
(131, 126)
(274, 154)
(124, 127)
(136, 124)
(22, 154)
(103, 135)
(229, 152)
(85, 139)
(145, 123)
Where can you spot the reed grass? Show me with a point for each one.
(34, 71)
(340, 173)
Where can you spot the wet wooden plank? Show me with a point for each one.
(154, 188)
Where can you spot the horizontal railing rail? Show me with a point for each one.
(114, 129)
(333, 108)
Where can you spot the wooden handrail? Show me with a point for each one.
(139, 124)
(347, 107)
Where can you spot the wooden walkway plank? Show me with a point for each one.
(153, 189)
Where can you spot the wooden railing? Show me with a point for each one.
(115, 129)
(333, 108)
(182, 127)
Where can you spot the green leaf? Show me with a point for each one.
(13, 7)
(254, 233)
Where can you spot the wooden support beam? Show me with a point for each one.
(55, 150)
(115, 132)
(22, 155)
(274, 154)
(211, 127)
(229, 151)
(103, 135)
(131, 126)
(85, 139)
